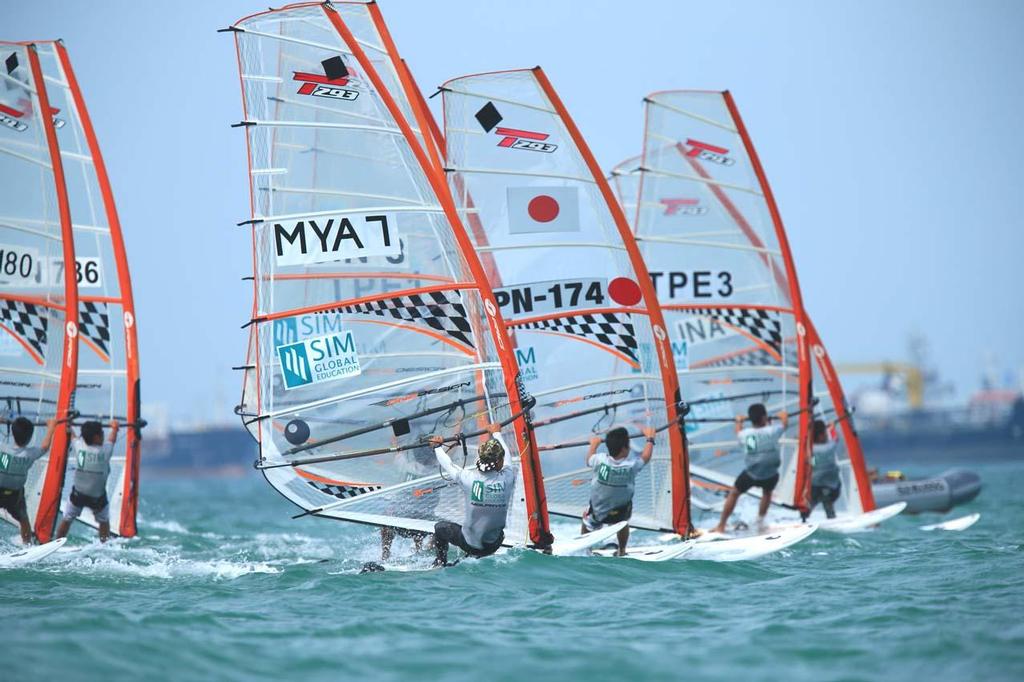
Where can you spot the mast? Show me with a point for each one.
(46, 517)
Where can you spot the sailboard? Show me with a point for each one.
(589, 337)
(38, 307)
(108, 383)
(32, 554)
(957, 524)
(716, 248)
(372, 324)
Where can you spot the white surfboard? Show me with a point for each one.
(578, 544)
(665, 552)
(724, 547)
(961, 523)
(859, 523)
(31, 554)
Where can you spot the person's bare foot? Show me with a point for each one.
(718, 529)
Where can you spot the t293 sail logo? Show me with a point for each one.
(320, 359)
(683, 207)
(708, 152)
(330, 84)
(326, 239)
(512, 138)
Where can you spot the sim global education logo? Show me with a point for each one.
(319, 359)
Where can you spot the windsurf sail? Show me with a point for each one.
(373, 326)
(108, 385)
(571, 284)
(714, 242)
(38, 307)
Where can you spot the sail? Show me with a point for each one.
(570, 282)
(108, 364)
(372, 326)
(38, 307)
(716, 248)
(625, 181)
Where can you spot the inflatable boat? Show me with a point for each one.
(938, 494)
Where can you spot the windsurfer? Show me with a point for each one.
(91, 465)
(825, 483)
(488, 489)
(15, 463)
(614, 480)
(760, 443)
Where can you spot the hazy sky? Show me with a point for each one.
(890, 132)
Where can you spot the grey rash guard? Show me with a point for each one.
(91, 464)
(14, 464)
(825, 468)
(761, 446)
(614, 481)
(488, 495)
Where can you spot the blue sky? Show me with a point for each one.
(889, 131)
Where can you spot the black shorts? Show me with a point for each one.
(744, 483)
(95, 503)
(820, 493)
(447, 532)
(12, 500)
(623, 513)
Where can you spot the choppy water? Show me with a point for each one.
(224, 585)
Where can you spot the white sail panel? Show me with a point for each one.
(370, 329)
(570, 284)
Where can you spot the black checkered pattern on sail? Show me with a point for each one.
(343, 492)
(763, 325)
(440, 310)
(755, 357)
(94, 324)
(27, 321)
(610, 329)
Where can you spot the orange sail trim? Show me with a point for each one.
(670, 382)
(46, 516)
(133, 435)
(853, 448)
(533, 480)
(802, 488)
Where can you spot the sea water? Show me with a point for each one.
(223, 584)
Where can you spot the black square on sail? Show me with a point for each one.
(334, 68)
(488, 117)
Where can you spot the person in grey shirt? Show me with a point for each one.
(614, 481)
(825, 483)
(760, 444)
(16, 458)
(488, 488)
(90, 458)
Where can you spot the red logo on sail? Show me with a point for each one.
(683, 207)
(512, 138)
(708, 152)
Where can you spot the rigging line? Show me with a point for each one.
(575, 444)
(690, 114)
(723, 420)
(467, 93)
(526, 405)
(695, 178)
(286, 39)
(496, 171)
(384, 424)
(341, 211)
(268, 123)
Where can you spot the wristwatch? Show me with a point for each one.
(651, 441)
